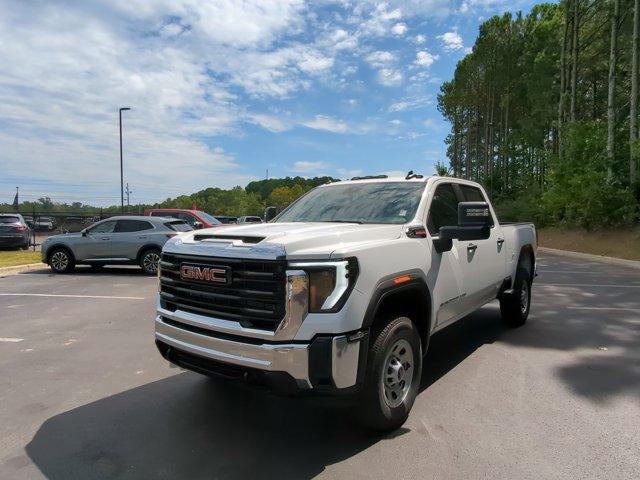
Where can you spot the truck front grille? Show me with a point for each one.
(253, 296)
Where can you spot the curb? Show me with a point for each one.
(5, 271)
(595, 258)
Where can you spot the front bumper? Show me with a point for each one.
(327, 364)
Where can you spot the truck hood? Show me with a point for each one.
(277, 240)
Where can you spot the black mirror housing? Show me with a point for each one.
(474, 232)
(477, 214)
(270, 214)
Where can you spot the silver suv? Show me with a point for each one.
(126, 240)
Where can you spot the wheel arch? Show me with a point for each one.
(527, 257)
(410, 298)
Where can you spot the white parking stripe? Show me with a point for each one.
(604, 308)
(10, 339)
(67, 296)
(583, 285)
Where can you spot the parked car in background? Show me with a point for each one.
(250, 219)
(196, 218)
(226, 219)
(14, 231)
(28, 219)
(44, 223)
(125, 240)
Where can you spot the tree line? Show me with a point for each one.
(237, 201)
(544, 113)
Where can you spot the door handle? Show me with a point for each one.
(471, 247)
(142, 236)
(500, 241)
(106, 238)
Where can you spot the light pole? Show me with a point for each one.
(121, 171)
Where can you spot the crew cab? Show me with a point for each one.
(341, 292)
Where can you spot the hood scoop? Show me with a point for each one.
(210, 237)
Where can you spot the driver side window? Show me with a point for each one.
(104, 227)
(443, 211)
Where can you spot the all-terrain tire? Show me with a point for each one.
(515, 306)
(395, 356)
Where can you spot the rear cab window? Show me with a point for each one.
(8, 219)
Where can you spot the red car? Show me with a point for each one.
(196, 218)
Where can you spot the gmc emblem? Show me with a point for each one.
(204, 273)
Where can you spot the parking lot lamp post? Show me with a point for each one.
(121, 170)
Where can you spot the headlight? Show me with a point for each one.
(329, 283)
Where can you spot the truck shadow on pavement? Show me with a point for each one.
(189, 426)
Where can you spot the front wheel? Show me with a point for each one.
(149, 261)
(392, 381)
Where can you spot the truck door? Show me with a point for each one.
(445, 273)
(482, 261)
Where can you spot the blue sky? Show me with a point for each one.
(221, 91)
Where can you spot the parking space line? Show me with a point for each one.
(11, 339)
(604, 308)
(583, 285)
(69, 296)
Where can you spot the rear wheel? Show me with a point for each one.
(61, 261)
(394, 369)
(515, 306)
(149, 261)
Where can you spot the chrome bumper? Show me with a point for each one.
(341, 355)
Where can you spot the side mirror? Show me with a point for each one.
(476, 214)
(84, 232)
(474, 223)
(197, 225)
(270, 214)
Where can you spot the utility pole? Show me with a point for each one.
(128, 192)
(121, 169)
(267, 174)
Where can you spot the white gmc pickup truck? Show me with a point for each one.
(340, 293)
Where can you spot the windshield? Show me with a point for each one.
(382, 202)
(209, 218)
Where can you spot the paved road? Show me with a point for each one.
(85, 395)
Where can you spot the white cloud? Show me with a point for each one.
(451, 41)
(399, 29)
(309, 167)
(424, 59)
(269, 122)
(419, 39)
(410, 103)
(313, 62)
(380, 58)
(329, 124)
(378, 21)
(389, 77)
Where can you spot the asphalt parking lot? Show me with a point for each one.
(84, 394)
